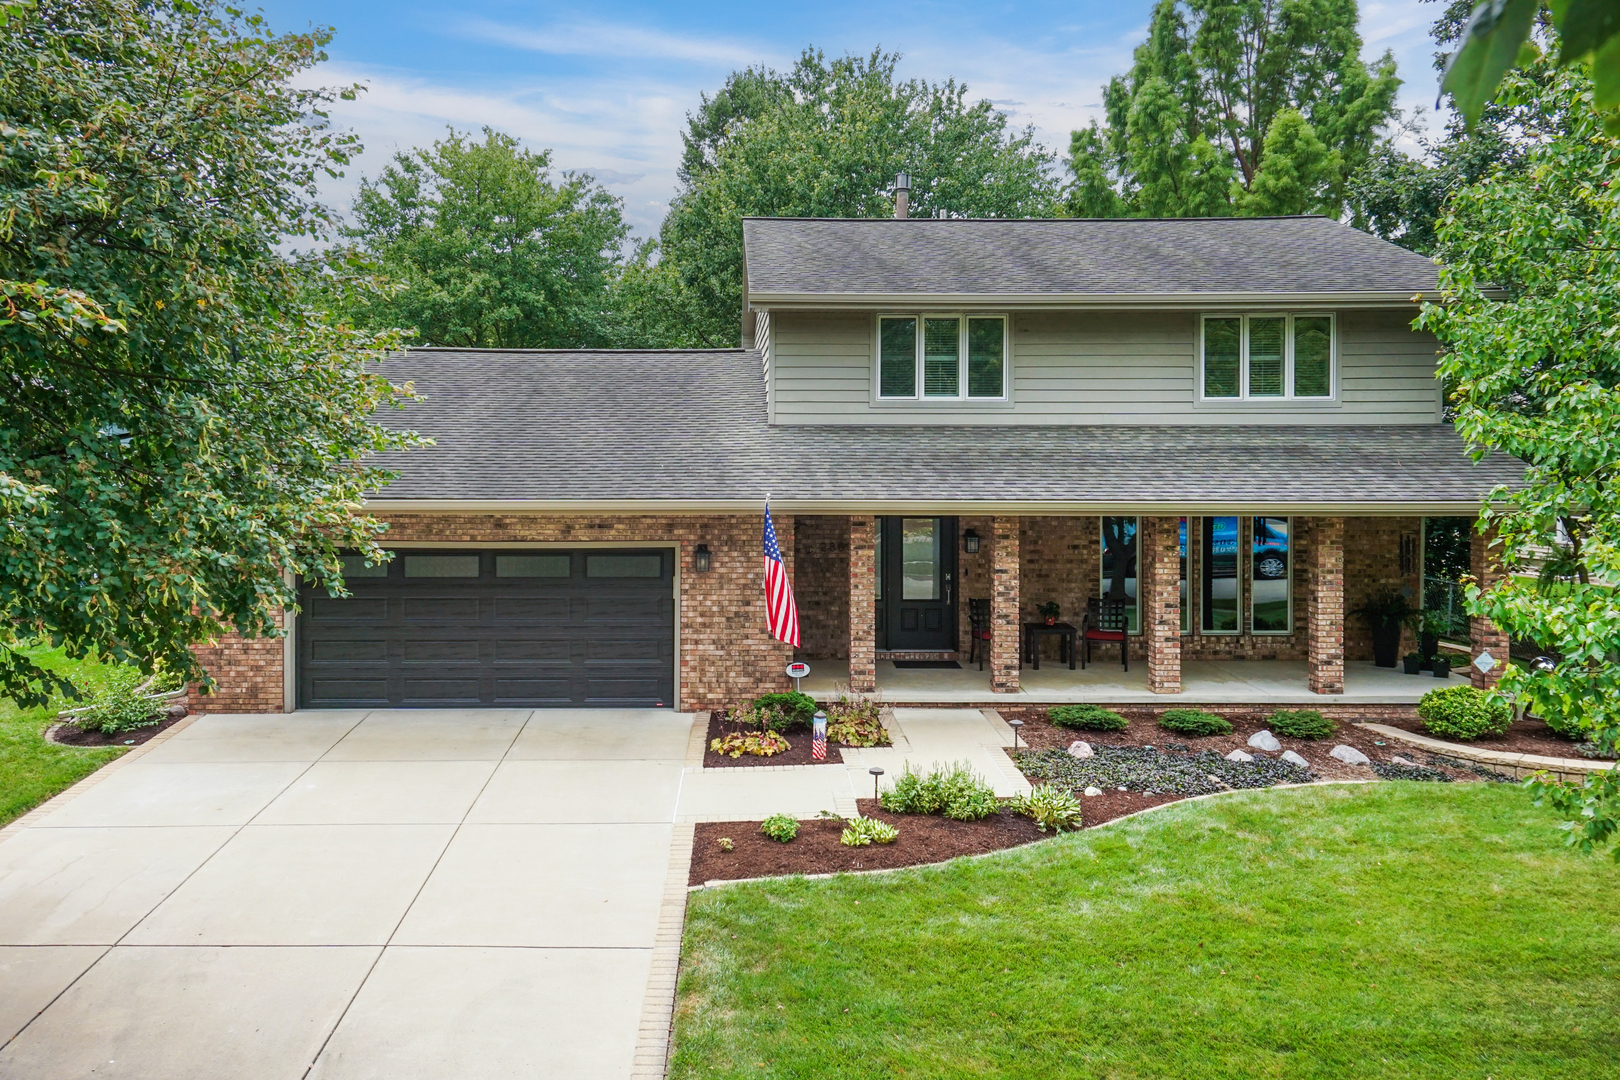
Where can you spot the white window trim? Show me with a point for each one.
(1290, 594)
(1287, 397)
(961, 397)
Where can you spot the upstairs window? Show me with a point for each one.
(1267, 357)
(942, 357)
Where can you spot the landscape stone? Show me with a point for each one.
(1239, 755)
(1093, 791)
(1398, 760)
(1265, 740)
(1080, 749)
(1349, 755)
(1294, 759)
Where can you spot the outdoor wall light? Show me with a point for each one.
(700, 559)
(970, 542)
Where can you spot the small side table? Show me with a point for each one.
(1034, 631)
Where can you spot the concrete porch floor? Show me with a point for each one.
(1214, 682)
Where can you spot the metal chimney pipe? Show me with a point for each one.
(902, 195)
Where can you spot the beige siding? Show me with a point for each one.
(1098, 368)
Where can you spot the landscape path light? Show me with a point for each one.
(876, 771)
(1015, 725)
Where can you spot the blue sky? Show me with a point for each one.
(607, 86)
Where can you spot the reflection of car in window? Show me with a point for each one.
(1270, 552)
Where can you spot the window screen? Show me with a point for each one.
(986, 343)
(898, 343)
(1313, 356)
(942, 355)
(1266, 357)
(1222, 338)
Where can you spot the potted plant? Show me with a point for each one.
(1386, 612)
(1413, 663)
(1050, 611)
(1428, 624)
(1442, 667)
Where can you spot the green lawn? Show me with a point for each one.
(31, 769)
(1396, 929)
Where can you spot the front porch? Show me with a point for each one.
(1204, 682)
(1233, 608)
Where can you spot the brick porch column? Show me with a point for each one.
(1324, 622)
(1161, 608)
(1485, 564)
(1005, 628)
(862, 605)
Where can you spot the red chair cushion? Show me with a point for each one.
(982, 635)
(1105, 635)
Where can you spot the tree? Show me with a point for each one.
(491, 253)
(1206, 90)
(1499, 34)
(1534, 372)
(179, 430)
(826, 140)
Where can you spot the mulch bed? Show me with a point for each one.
(798, 755)
(69, 735)
(1039, 734)
(924, 838)
(1524, 737)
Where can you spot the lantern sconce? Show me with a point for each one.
(970, 542)
(700, 559)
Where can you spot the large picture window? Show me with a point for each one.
(942, 357)
(1267, 357)
(1219, 602)
(1271, 591)
(1119, 565)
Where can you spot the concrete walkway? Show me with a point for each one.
(397, 894)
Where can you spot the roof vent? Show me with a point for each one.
(902, 195)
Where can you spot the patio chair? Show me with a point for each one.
(978, 630)
(1106, 620)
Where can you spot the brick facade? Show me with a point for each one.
(862, 640)
(1485, 566)
(1324, 665)
(726, 653)
(249, 674)
(821, 586)
(1005, 620)
(1159, 589)
(1372, 563)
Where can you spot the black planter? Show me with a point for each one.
(1442, 669)
(1413, 667)
(1386, 643)
(1428, 645)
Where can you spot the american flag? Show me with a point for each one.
(781, 613)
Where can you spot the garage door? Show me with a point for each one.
(536, 628)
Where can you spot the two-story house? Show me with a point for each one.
(1227, 427)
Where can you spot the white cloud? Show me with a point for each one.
(619, 41)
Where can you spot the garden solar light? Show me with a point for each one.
(876, 772)
(1015, 725)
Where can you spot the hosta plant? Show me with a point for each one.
(780, 827)
(861, 831)
(1050, 807)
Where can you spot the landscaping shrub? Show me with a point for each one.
(1300, 724)
(791, 711)
(1463, 712)
(119, 700)
(780, 827)
(861, 831)
(756, 743)
(1087, 718)
(1194, 722)
(956, 792)
(1049, 805)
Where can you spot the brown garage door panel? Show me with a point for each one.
(494, 639)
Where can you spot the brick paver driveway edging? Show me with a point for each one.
(392, 894)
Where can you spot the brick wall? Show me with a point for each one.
(726, 654)
(862, 604)
(1057, 559)
(1004, 606)
(821, 586)
(1485, 566)
(1325, 607)
(1372, 562)
(1159, 569)
(248, 674)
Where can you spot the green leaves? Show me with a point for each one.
(1491, 45)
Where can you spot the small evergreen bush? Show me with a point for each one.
(1462, 712)
(780, 827)
(791, 711)
(1300, 724)
(1194, 722)
(1087, 718)
(956, 792)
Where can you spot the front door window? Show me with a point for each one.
(919, 538)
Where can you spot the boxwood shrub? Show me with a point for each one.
(1463, 712)
(1087, 718)
(1194, 722)
(1300, 724)
(791, 711)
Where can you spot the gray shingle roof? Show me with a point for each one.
(1074, 257)
(690, 427)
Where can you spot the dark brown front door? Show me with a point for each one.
(916, 607)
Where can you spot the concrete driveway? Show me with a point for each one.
(394, 894)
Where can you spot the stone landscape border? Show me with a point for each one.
(1574, 770)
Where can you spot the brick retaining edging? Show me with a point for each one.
(1520, 765)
